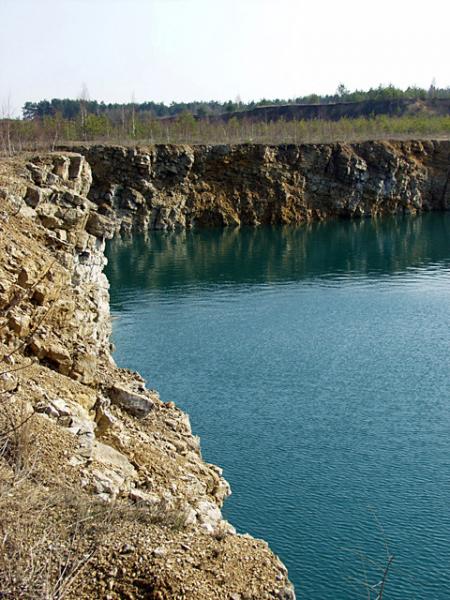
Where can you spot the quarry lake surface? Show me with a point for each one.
(314, 363)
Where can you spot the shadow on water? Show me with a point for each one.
(328, 250)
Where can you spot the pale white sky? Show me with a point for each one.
(166, 50)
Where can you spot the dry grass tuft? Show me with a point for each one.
(41, 554)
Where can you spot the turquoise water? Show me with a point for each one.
(314, 363)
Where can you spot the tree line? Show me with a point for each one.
(71, 109)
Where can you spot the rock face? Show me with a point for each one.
(165, 187)
(98, 475)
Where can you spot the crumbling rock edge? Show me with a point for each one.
(99, 432)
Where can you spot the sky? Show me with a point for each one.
(181, 50)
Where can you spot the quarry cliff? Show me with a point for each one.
(103, 489)
(165, 187)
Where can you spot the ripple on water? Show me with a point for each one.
(314, 364)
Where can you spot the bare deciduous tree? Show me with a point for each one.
(83, 99)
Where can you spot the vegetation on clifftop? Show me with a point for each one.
(384, 112)
(46, 133)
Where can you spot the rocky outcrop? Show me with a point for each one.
(165, 187)
(115, 486)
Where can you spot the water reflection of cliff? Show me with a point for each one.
(217, 256)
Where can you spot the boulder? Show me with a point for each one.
(34, 195)
(100, 226)
(109, 456)
(53, 352)
(72, 218)
(61, 167)
(84, 368)
(20, 324)
(104, 419)
(132, 402)
(76, 166)
(208, 515)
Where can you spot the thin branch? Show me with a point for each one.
(18, 426)
(384, 579)
(15, 369)
(381, 529)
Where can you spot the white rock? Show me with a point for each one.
(208, 513)
(145, 497)
(110, 456)
(61, 407)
